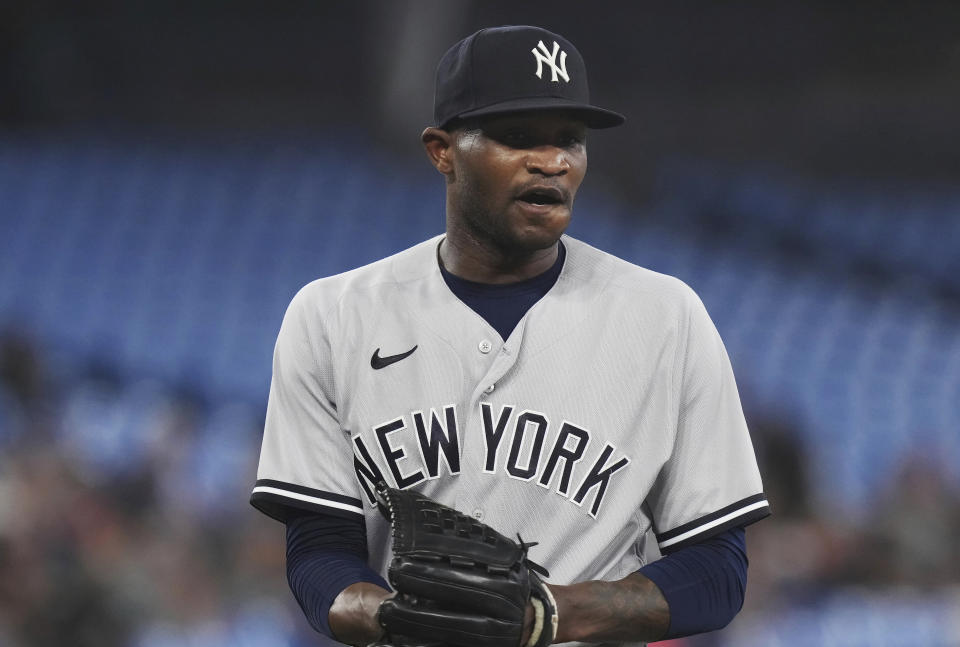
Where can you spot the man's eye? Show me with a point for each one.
(524, 139)
(516, 139)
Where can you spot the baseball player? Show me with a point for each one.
(544, 388)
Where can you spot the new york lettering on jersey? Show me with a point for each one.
(534, 452)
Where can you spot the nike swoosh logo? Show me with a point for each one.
(378, 362)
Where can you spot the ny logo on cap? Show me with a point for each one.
(543, 55)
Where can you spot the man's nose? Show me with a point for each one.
(547, 160)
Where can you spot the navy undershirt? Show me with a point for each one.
(503, 305)
(704, 584)
(325, 555)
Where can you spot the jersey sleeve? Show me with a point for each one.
(710, 482)
(306, 461)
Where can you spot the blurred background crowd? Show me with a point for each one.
(171, 174)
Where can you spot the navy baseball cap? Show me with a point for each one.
(512, 69)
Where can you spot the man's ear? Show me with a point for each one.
(438, 145)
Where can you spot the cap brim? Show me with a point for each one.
(592, 116)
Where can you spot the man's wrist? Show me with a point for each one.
(628, 610)
(354, 614)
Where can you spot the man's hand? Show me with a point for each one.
(353, 614)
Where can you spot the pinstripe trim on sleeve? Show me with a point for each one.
(276, 499)
(741, 513)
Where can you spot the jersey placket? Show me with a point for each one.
(473, 446)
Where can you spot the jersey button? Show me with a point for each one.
(485, 346)
(478, 514)
(490, 388)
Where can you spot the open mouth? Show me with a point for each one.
(542, 196)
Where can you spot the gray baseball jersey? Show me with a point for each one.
(609, 417)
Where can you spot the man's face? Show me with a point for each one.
(515, 177)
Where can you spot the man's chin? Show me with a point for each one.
(519, 234)
(538, 240)
(543, 233)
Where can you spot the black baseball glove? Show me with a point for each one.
(459, 581)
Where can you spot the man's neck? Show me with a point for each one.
(471, 260)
